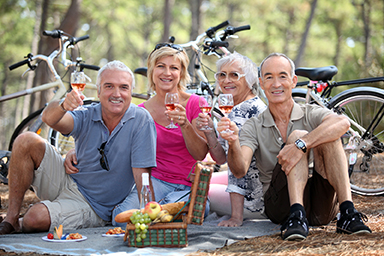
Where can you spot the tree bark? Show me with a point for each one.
(34, 46)
(366, 17)
(305, 34)
(47, 45)
(339, 35)
(167, 19)
(196, 18)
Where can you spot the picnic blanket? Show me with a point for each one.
(206, 237)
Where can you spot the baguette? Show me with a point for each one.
(174, 208)
(125, 216)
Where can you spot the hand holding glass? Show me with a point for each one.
(170, 100)
(226, 105)
(205, 104)
(78, 80)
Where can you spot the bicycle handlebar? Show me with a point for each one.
(75, 40)
(19, 64)
(211, 31)
(54, 33)
(87, 66)
(65, 42)
(231, 31)
(218, 44)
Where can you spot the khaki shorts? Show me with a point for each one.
(59, 193)
(320, 201)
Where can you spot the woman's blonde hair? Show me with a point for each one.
(164, 51)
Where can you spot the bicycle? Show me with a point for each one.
(211, 42)
(33, 122)
(364, 107)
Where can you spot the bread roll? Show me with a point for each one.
(174, 208)
(125, 216)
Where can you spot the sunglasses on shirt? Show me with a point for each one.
(103, 159)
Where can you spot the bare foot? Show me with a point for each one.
(232, 222)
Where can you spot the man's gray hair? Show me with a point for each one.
(279, 55)
(114, 65)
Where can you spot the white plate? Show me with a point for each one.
(114, 235)
(45, 238)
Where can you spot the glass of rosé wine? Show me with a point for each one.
(226, 105)
(170, 100)
(78, 80)
(205, 104)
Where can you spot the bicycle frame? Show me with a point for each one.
(207, 43)
(315, 87)
(364, 108)
(320, 100)
(59, 93)
(64, 43)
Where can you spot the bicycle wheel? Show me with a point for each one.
(63, 143)
(299, 95)
(364, 149)
(30, 123)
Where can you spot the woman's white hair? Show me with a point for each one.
(249, 68)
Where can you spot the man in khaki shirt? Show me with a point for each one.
(282, 138)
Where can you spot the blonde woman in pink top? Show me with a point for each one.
(177, 149)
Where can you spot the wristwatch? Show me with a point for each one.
(61, 104)
(300, 144)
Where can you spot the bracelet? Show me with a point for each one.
(209, 147)
(61, 103)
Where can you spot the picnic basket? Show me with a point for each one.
(199, 191)
(174, 234)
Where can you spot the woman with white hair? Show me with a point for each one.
(240, 198)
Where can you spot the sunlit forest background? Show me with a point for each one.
(314, 33)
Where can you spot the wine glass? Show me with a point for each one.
(226, 105)
(205, 104)
(78, 80)
(170, 100)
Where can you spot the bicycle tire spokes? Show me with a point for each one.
(366, 111)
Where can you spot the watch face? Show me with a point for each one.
(300, 144)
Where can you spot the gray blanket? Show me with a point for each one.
(207, 237)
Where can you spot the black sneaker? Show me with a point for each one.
(352, 223)
(296, 227)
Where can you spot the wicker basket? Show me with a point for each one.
(172, 234)
(199, 192)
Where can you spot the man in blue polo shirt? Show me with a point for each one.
(115, 144)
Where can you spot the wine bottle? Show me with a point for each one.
(145, 195)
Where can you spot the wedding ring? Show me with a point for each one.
(179, 117)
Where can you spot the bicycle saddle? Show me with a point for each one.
(317, 74)
(141, 71)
